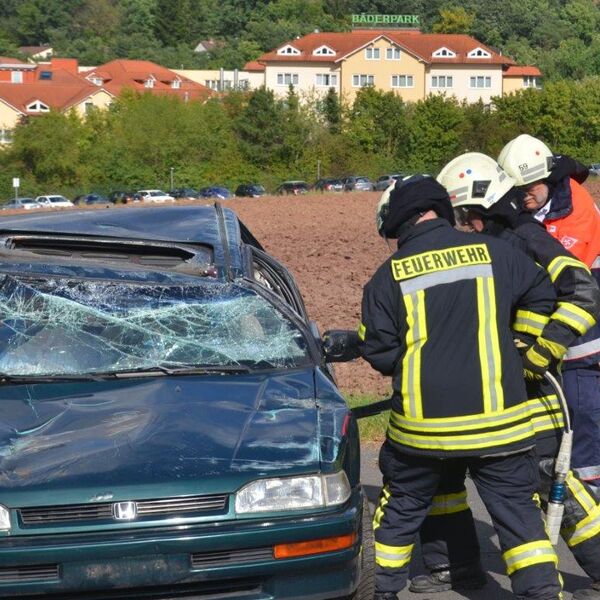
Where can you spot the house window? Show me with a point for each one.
(392, 53)
(149, 83)
(213, 84)
(363, 80)
(37, 106)
(326, 79)
(480, 82)
(16, 76)
(444, 53)
(372, 53)
(288, 50)
(324, 51)
(529, 81)
(479, 53)
(176, 84)
(88, 107)
(5, 136)
(441, 81)
(287, 78)
(97, 80)
(402, 81)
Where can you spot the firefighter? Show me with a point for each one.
(437, 317)
(554, 194)
(486, 201)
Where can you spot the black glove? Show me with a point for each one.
(536, 361)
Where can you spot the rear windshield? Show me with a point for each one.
(61, 326)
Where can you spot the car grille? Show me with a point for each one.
(164, 507)
(28, 573)
(230, 557)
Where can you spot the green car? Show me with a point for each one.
(170, 426)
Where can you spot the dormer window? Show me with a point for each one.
(149, 83)
(323, 51)
(443, 52)
(176, 84)
(479, 53)
(96, 80)
(37, 106)
(288, 50)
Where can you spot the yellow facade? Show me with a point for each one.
(9, 116)
(393, 70)
(100, 100)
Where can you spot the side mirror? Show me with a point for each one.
(341, 345)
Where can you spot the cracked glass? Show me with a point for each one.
(60, 326)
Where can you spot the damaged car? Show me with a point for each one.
(170, 426)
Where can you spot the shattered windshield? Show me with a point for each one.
(68, 327)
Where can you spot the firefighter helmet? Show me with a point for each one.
(475, 179)
(526, 159)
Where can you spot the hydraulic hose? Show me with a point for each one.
(562, 466)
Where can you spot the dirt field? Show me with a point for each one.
(330, 245)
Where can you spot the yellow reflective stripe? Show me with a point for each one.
(547, 422)
(586, 528)
(556, 267)
(462, 442)
(575, 317)
(529, 554)
(392, 556)
(383, 500)
(489, 347)
(411, 363)
(557, 350)
(583, 497)
(362, 331)
(529, 322)
(447, 504)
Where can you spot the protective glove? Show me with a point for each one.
(536, 361)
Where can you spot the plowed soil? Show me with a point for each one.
(330, 245)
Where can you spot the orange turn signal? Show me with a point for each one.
(331, 544)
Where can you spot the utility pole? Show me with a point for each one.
(172, 169)
(318, 169)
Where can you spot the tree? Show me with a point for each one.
(454, 20)
(332, 110)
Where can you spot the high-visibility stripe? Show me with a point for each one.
(557, 350)
(584, 530)
(575, 317)
(392, 556)
(596, 263)
(583, 497)
(362, 331)
(489, 351)
(526, 555)
(488, 439)
(533, 173)
(447, 504)
(423, 282)
(411, 362)
(560, 263)
(583, 350)
(529, 322)
(548, 422)
(383, 500)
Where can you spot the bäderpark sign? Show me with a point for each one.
(366, 19)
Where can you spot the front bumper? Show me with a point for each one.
(217, 560)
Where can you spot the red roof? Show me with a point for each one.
(7, 60)
(133, 74)
(421, 45)
(254, 65)
(515, 71)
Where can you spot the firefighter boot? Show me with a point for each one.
(465, 577)
(591, 593)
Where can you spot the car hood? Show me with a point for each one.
(69, 442)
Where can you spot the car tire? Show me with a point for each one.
(366, 585)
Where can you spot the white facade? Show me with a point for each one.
(222, 80)
(467, 82)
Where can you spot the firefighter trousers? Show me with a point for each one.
(506, 485)
(448, 538)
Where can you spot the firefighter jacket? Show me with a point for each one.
(574, 321)
(437, 316)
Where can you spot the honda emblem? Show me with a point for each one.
(124, 511)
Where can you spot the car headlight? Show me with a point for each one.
(4, 518)
(293, 493)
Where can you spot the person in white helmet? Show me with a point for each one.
(486, 201)
(554, 194)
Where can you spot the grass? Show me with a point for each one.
(372, 429)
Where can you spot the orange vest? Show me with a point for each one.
(579, 231)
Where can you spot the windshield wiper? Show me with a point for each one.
(159, 370)
(5, 378)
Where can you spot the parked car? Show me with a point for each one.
(250, 190)
(384, 182)
(23, 203)
(595, 169)
(155, 196)
(120, 197)
(54, 201)
(173, 426)
(92, 200)
(358, 184)
(215, 191)
(184, 194)
(329, 184)
(292, 188)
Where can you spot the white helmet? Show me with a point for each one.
(526, 159)
(475, 179)
(383, 207)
